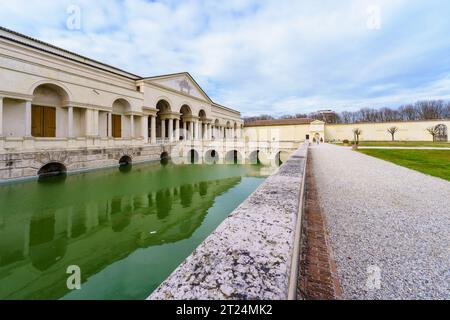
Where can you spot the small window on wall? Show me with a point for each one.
(307, 137)
(43, 122)
(116, 126)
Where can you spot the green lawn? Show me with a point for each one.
(433, 162)
(403, 144)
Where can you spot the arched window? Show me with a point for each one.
(47, 99)
(120, 107)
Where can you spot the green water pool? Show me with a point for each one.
(126, 230)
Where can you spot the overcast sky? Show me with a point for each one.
(257, 56)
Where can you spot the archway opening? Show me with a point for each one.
(280, 158)
(203, 120)
(212, 157)
(165, 158)
(254, 158)
(233, 157)
(202, 115)
(186, 113)
(216, 130)
(161, 122)
(52, 169)
(227, 130)
(119, 108)
(47, 106)
(125, 161)
(316, 138)
(193, 156)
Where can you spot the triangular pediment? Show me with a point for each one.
(183, 83)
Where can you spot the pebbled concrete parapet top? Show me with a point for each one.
(249, 255)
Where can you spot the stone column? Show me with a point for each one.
(170, 130)
(87, 122)
(177, 129)
(132, 126)
(28, 119)
(95, 114)
(1, 116)
(153, 129)
(144, 128)
(163, 128)
(109, 125)
(70, 122)
(197, 130)
(185, 134)
(191, 130)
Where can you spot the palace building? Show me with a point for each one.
(57, 106)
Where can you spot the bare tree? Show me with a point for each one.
(356, 133)
(257, 118)
(393, 131)
(446, 114)
(345, 117)
(288, 116)
(408, 112)
(433, 131)
(430, 109)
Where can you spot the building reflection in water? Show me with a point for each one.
(95, 233)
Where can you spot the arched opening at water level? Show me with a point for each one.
(233, 157)
(125, 161)
(212, 157)
(193, 156)
(52, 169)
(165, 158)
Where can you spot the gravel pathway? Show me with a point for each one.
(389, 226)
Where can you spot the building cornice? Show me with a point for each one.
(15, 95)
(36, 44)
